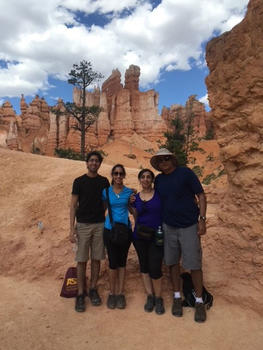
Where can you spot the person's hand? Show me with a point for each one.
(201, 227)
(73, 236)
(132, 198)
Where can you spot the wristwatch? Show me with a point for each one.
(202, 217)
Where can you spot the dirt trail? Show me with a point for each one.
(34, 317)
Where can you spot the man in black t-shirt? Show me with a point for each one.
(87, 216)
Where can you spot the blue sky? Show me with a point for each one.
(166, 38)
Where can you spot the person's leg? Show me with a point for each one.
(82, 256)
(121, 262)
(113, 269)
(157, 287)
(192, 260)
(172, 255)
(175, 277)
(93, 292)
(97, 253)
(113, 278)
(142, 248)
(121, 279)
(197, 278)
(81, 277)
(94, 273)
(147, 282)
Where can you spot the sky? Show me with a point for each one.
(40, 41)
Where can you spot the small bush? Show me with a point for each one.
(209, 178)
(68, 153)
(210, 157)
(210, 134)
(130, 155)
(36, 150)
(104, 154)
(198, 170)
(192, 160)
(149, 150)
(221, 172)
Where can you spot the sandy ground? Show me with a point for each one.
(33, 316)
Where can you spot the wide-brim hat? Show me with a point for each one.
(162, 152)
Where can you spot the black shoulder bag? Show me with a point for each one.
(120, 233)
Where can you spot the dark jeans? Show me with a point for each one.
(150, 258)
(117, 255)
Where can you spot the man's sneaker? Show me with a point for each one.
(150, 302)
(159, 308)
(80, 303)
(111, 302)
(94, 297)
(200, 312)
(120, 302)
(177, 309)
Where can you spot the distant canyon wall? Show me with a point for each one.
(125, 111)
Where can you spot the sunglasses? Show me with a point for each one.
(164, 159)
(117, 173)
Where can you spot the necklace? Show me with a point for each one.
(117, 194)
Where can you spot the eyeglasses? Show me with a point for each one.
(117, 173)
(164, 159)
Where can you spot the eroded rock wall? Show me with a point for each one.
(235, 88)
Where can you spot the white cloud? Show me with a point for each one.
(102, 6)
(204, 100)
(41, 41)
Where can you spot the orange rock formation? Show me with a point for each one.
(125, 111)
(235, 87)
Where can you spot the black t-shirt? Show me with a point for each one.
(89, 191)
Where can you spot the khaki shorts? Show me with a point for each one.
(90, 238)
(185, 243)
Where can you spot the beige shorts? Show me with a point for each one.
(90, 238)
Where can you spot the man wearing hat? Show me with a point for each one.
(184, 221)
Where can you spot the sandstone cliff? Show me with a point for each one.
(235, 87)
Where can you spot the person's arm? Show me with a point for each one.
(202, 220)
(72, 217)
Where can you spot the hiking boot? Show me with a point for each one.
(150, 302)
(80, 303)
(120, 302)
(111, 302)
(159, 307)
(200, 312)
(177, 309)
(94, 297)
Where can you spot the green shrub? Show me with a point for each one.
(221, 172)
(209, 178)
(210, 134)
(130, 155)
(210, 157)
(68, 153)
(149, 150)
(198, 170)
(36, 150)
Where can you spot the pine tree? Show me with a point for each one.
(82, 75)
